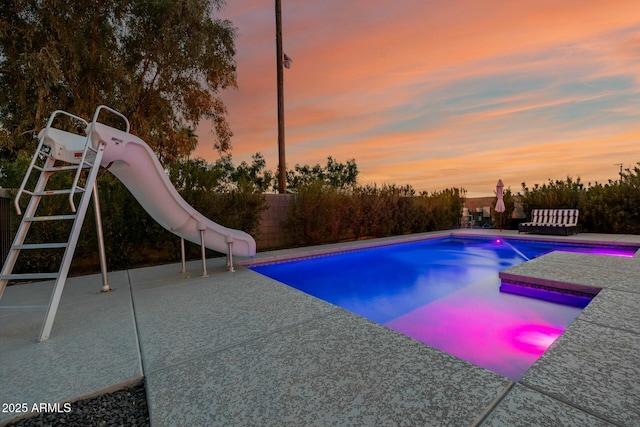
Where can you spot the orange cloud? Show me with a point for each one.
(440, 94)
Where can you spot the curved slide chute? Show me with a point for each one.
(133, 162)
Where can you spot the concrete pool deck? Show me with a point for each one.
(242, 349)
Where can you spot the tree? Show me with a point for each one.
(162, 63)
(192, 175)
(254, 175)
(334, 174)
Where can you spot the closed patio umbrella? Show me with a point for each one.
(500, 203)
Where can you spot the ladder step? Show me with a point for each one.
(49, 218)
(29, 276)
(4, 308)
(41, 245)
(58, 168)
(55, 192)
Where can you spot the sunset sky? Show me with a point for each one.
(441, 94)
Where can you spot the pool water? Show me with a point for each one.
(444, 293)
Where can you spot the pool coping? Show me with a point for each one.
(305, 361)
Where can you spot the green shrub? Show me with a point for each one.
(317, 214)
(321, 214)
(447, 208)
(604, 208)
(613, 207)
(380, 207)
(568, 194)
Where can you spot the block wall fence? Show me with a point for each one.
(272, 232)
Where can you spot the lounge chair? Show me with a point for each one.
(562, 222)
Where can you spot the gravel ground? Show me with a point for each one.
(126, 407)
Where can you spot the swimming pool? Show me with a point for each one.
(445, 293)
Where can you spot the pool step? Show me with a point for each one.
(565, 297)
(575, 272)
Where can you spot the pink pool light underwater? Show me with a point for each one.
(480, 328)
(446, 294)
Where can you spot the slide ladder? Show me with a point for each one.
(77, 156)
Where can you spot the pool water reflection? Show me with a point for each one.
(444, 293)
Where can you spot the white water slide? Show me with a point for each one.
(133, 162)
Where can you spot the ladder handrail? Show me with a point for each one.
(88, 146)
(50, 121)
(16, 200)
(117, 113)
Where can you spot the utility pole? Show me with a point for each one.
(282, 166)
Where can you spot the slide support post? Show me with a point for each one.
(230, 254)
(204, 259)
(182, 253)
(103, 256)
